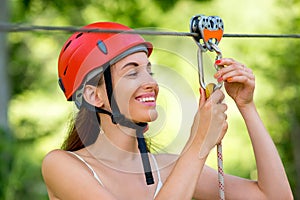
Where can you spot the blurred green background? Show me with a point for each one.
(34, 114)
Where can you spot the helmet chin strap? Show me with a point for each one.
(118, 118)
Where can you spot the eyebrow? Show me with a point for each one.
(134, 64)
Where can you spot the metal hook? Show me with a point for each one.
(201, 69)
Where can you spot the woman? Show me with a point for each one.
(108, 75)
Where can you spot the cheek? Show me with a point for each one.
(123, 93)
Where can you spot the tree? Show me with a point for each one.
(6, 140)
(283, 106)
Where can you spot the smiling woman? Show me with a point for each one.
(109, 77)
(135, 89)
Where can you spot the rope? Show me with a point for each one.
(4, 27)
(220, 172)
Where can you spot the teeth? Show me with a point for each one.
(147, 99)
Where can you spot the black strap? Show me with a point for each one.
(108, 83)
(118, 118)
(144, 155)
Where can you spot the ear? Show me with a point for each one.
(92, 96)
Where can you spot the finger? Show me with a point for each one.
(220, 112)
(224, 130)
(233, 70)
(217, 96)
(224, 127)
(202, 97)
(241, 79)
(225, 61)
(229, 65)
(223, 107)
(237, 73)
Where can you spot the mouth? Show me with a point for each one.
(147, 99)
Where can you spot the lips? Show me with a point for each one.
(148, 99)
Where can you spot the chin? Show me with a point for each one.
(152, 116)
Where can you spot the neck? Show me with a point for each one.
(116, 144)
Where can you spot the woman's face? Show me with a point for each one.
(134, 88)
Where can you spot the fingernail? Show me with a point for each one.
(200, 89)
(218, 62)
(217, 75)
(229, 79)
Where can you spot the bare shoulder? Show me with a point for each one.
(54, 154)
(54, 164)
(67, 177)
(54, 158)
(59, 162)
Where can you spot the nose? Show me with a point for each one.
(149, 83)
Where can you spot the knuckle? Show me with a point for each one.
(207, 106)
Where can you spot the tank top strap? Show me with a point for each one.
(159, 183)
(88, 165)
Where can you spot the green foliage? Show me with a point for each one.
(6, 154)
(21, 69)
(37, 114)
(282, 106)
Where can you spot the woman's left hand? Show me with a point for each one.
(239, 80)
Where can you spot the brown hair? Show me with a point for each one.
(84, 128)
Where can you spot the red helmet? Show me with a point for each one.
(84, 52)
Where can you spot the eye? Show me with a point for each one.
(149, 69)
(151, 73)
(132, 73)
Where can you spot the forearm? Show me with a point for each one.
(182, 180)
(272, 180)
(207, 130)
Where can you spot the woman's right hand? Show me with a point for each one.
(210, 123)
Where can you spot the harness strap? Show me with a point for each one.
(118, 118)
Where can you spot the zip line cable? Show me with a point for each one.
(4, 27)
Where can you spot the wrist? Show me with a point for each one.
(247, 111)
(246, 107)
(196, 147)
(200, 146)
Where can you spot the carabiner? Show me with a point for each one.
(210, 31)
(201, 69)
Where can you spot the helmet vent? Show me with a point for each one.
(102, 46)
(66, 70)
(67, 45)
(78, 35)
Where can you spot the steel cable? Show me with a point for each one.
(5, 27)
